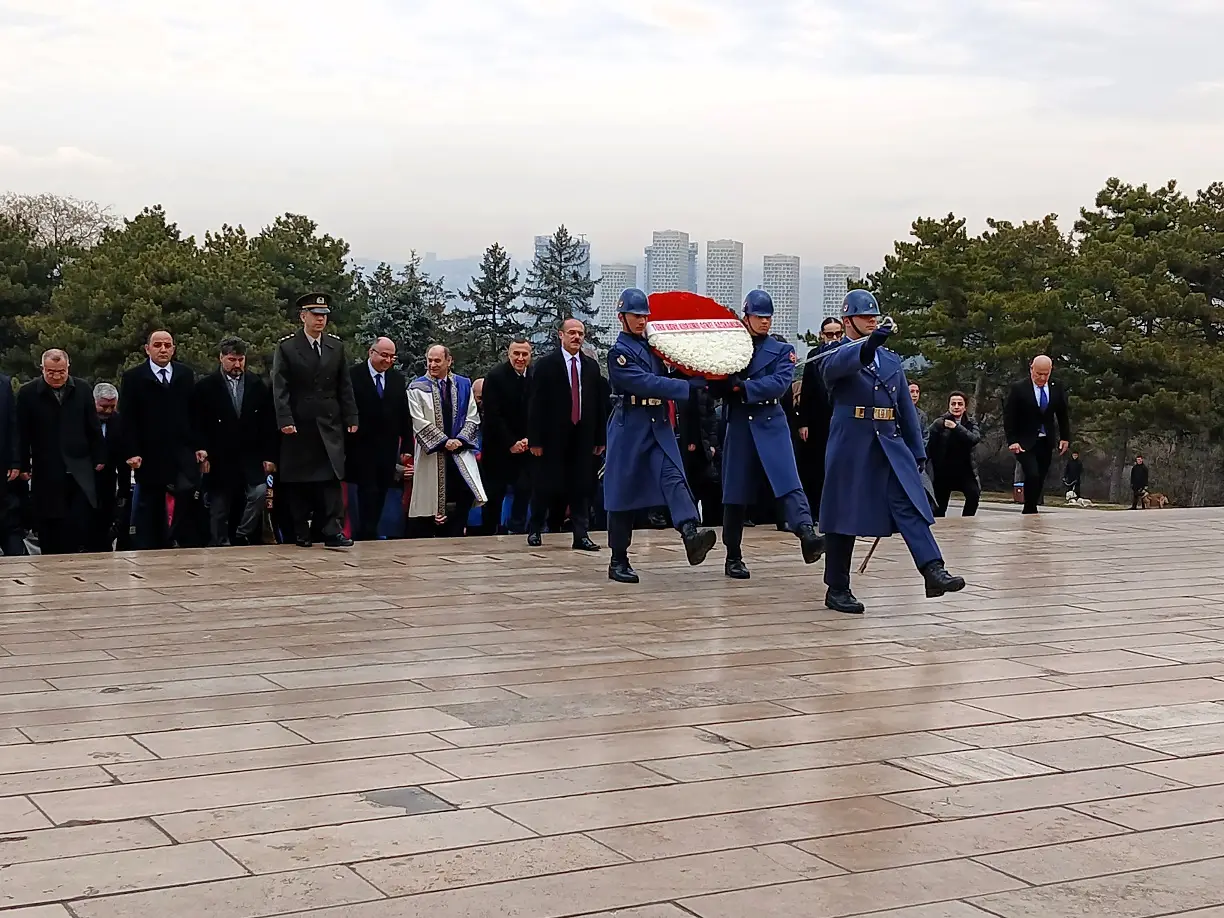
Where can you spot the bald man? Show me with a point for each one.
(1035, 419)
(384, 435)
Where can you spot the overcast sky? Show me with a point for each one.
(812, 127)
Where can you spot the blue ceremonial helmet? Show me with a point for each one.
(860, 303)
(758, 303)
(633, 302)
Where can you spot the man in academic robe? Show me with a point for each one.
(312, 395)
(446, 479)
(233, 408)
(163, 446)
(505, 463)
(383, 438)
(567, 428)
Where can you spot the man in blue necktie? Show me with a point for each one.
(1032, 409)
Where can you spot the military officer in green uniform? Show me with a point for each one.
(313, 395)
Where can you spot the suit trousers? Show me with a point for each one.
(680, 506)
(66, 533)
(12, 536)
(573, 491)
(914, 529)
(792, 506)
(322, 501)
(223, 498)
(513, 476)
(371, 501)
(1035, 463)
(152, 521)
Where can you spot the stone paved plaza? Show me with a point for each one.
(475, 729)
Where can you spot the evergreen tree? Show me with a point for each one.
(302, 261)
(407, 307)
(28, 276)
(560, 287)
(482, 332)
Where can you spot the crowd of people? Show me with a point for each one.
(325, 449)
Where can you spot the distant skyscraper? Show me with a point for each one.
(649, 250)
(724, 280)
(836, 278)
(692, 268)
(584, 249)
(612, 280)
(668, 262)
(781, 281)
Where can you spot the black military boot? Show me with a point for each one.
(697, 542)
(939, 581)
(843, 601)
(620, 571)
(736, 569)
(812, 543)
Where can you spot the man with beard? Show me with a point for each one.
(234, 416)
(505, 463)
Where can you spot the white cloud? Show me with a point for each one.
(816, 126)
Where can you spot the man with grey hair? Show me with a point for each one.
(112, 520)
(60, 446)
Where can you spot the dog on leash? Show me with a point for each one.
(1154, 500)
(1074, 500)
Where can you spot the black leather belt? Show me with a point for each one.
(645, 402)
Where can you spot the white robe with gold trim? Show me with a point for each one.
(429, 436)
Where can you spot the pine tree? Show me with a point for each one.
(482, 332)
(560, 287)
(407, 307)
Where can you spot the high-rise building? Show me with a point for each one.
(724, 280)
(669, 258)
(780, 279)
(584, 251)
(836, 280)
(612, 280)
(649, 250)
(692, 268)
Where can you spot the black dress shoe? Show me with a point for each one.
(939, 581)
(736, 570)
(303, 543)
(697, 542)
(843, 601)
(337, 541)
(812, 543)
(534, 540)
(585, 544)
(620, 571)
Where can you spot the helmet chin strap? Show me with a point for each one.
(859, 333)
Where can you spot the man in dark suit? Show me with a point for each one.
(815, 415)
(11, 540)
(505, 463)
(567, 428)
(163, 446)
(113, 519)
(233, 414)
(1032, 407)
(383, 437)
(312, 392)
(60, 447)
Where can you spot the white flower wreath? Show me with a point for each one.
(714, 347)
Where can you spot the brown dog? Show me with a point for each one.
(1153, 500)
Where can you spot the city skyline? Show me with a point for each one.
(874, 114)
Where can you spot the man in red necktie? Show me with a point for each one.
(566, 428)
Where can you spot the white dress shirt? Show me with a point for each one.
(168, 369)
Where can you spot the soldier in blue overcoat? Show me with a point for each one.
(643, 468)
(757, 445)
(873, 485)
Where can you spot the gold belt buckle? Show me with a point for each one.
(882, 414)
(860, 412)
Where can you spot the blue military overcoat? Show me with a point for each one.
(863, 451)
(639, 437)
(758, 429)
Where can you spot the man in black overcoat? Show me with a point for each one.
(60, 446)
(505, 463)
(12, 541)
(233, 413)
(163, 447)
(567, 417)
(383, 437)
(312, 391)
